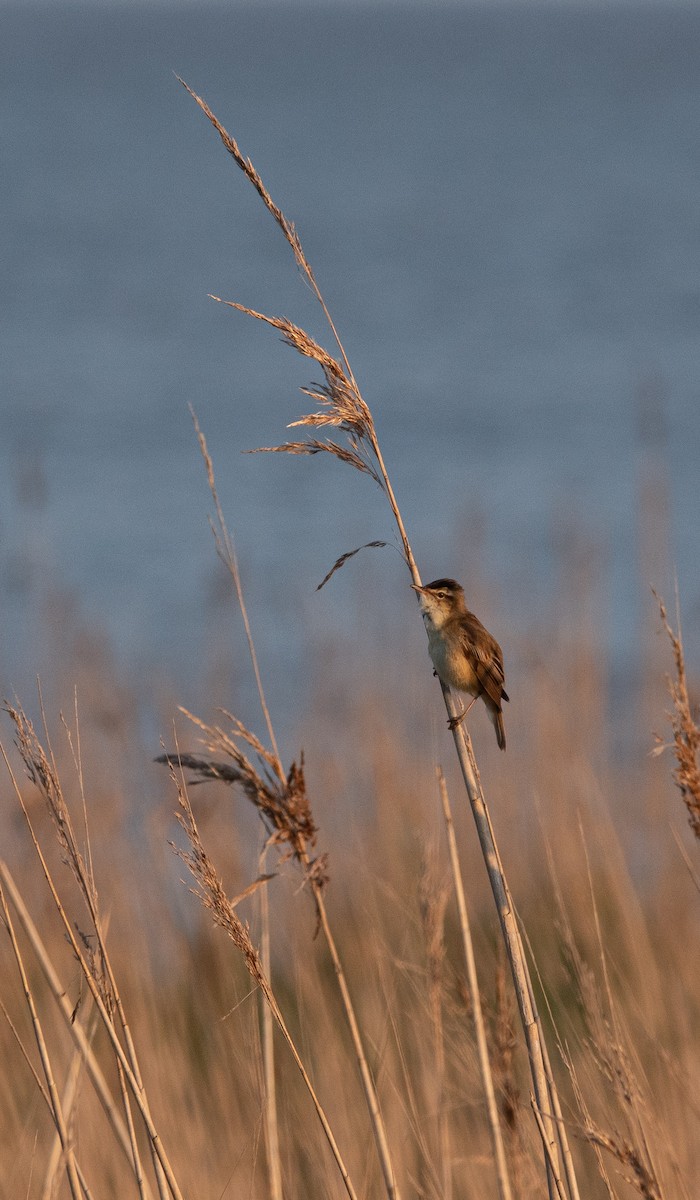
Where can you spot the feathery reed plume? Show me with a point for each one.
(686, 733)
(343, 407)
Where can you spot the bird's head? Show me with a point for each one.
(440, 600)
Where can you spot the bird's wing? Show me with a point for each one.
(486, 658)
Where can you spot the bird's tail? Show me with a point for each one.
(497, 719)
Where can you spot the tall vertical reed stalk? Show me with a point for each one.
(343, 408)
(499, 1154)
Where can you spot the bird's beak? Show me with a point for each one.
(416, 588)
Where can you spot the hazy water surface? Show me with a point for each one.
(502, 208)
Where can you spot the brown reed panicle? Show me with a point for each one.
(41, 769)
(281, 801)
(342, 404)
(340, 398)
(686, 733)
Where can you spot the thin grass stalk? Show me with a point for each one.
(137, 1165)
(86, 881)
(43, 770)
(434, 897)
(371, 1097)
(649, 1167)
(529, 1017)
(547, 1147)
(68, 1100)
(135, 1087)
(226, 552)
(43, 1093)
(272, 1141)
(556, 1109)
(76, 1031)
(55, 1099)
(499, 1154)
(277, 1013)
(90, 893)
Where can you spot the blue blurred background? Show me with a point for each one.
(501, 207)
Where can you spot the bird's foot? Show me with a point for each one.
(455, 721)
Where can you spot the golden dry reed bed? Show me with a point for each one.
(339, 1009)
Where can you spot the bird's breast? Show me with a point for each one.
(451, 663)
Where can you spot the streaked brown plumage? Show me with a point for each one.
(464, 653)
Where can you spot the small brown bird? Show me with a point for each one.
(464, 654)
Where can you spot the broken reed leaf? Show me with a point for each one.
(316, 447)
(207, 770)
(251, 889)
(252, 175)
(344, 558)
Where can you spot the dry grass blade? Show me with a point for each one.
(340, 562)
(686, 733)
